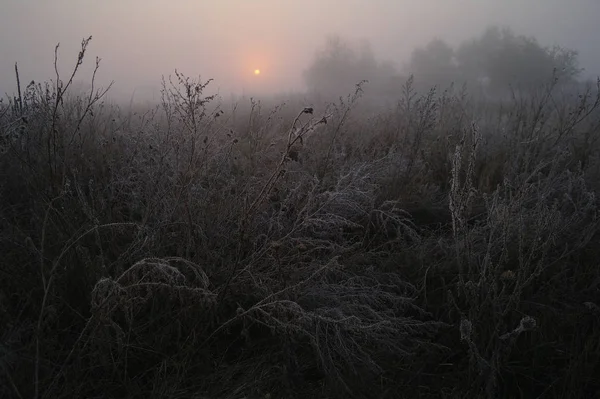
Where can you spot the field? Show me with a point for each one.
(440, 246)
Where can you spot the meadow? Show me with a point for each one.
(439, 246)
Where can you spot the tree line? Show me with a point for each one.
(496, 61)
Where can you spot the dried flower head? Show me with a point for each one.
(527, 323)
(507, 275)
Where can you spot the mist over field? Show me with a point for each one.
(299, 199)
(141, 40)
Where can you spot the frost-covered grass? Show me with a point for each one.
(440, 247)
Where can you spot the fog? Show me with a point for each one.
(227, 40)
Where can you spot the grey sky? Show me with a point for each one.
(140, 40)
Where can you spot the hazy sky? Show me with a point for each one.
(140, 40)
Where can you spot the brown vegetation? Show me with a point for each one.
(442, 248)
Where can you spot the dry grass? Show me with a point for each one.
(443, 247)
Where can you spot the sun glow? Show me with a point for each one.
(257, 72)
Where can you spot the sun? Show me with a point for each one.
(257, 72)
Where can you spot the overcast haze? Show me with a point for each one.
(140, 40)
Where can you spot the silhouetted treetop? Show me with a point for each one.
(339, 65)
(498, 57)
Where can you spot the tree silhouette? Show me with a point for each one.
(435, 64)
(506, 59)
(339, 66)
(498, 57)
